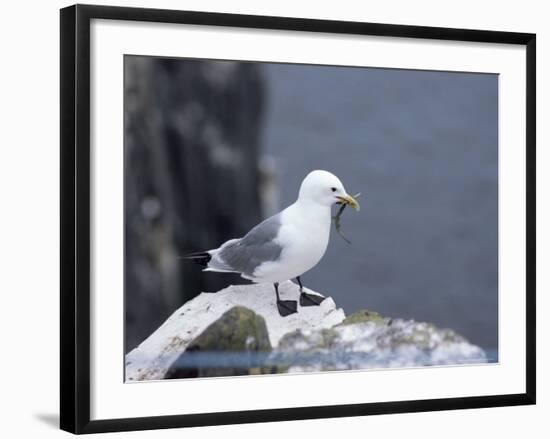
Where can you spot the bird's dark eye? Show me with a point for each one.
(333, 189)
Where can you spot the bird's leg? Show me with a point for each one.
(300, 283)
(308, 299)
(285, 307)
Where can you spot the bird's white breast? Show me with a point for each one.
(304, 236)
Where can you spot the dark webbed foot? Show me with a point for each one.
(310, 299)
(287, 307)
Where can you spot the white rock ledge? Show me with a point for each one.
(151, 359)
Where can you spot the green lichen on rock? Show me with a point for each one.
(450, 336)
(235, 342)
(328, 338)
(426, 336)
(321, 339)
(238, 329)
(419, 337)
(298, 346)
(364, 316)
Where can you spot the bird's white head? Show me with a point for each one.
(325, 188)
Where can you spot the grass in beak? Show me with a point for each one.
(336, 218)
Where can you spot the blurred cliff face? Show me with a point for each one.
(191, 146)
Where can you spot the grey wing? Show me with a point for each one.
(256, 247)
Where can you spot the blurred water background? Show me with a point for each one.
(421, 147)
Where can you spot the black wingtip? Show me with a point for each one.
(200, 258)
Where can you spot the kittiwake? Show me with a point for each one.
(287, 244)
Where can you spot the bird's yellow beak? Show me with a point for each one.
(350, 201)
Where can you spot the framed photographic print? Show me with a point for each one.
(305, 218)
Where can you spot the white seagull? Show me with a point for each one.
(287, 244)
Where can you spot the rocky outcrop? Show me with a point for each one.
(366, 340)
(239, 331)
(154, 356)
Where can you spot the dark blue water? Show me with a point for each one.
(422, 148)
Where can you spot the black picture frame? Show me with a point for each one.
(75, 217)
